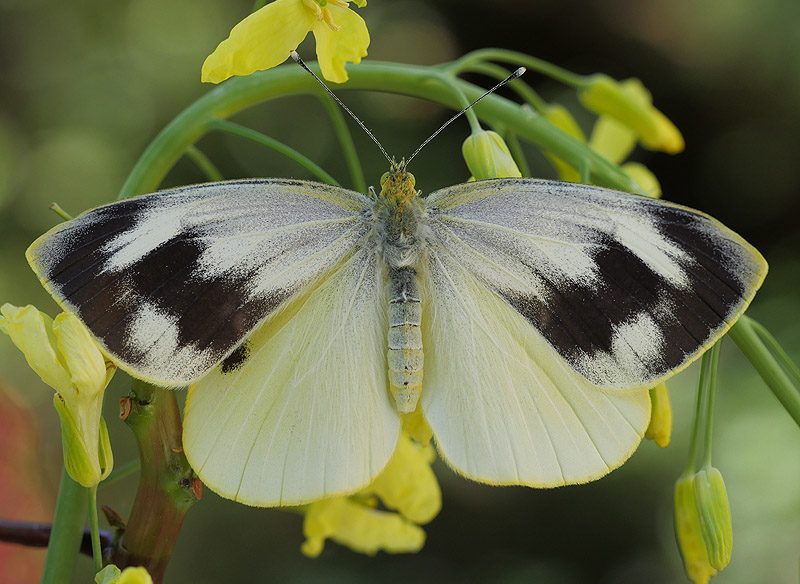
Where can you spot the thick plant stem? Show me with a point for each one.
(240, 93)
(746, 338)
(67, 532)
(167, 485)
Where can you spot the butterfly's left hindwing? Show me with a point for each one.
(171, 283)
(307, 414)
(628, 290)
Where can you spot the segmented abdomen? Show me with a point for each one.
(405, 339)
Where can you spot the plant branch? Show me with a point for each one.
(203, 163)
(31, 534)
(66, 533)
(167, 485)
(746, 337)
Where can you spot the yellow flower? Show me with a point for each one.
(703, 524)
(560, 117)
(660, 428)
(112, 575)
(407, 485)
(631, 104)
(62, 352)
(487, 156)
(266, 37)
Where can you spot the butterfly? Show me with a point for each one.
(525, 318)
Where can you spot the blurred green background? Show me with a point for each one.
(86, 85)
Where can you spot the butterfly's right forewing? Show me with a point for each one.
(171, 283)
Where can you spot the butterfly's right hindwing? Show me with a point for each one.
(171, 283)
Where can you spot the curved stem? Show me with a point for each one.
(203, 163)
(747, 339)
(698, 415)
(94, 529)
(516, 152)
(240, 93)
(66, 533)
(277, 146)
(346, 143)
(518, 86)
(517, 59)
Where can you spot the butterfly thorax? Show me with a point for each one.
(399, 219)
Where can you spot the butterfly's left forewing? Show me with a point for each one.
(171, 283)
(628, 290)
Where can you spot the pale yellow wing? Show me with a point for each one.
(504, 406)
(302, 411)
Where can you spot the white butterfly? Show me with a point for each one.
(299, 313)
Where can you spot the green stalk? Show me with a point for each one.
(516, 152)
(346, 143)
(711, 392)
(238, 94)
(203, 163)
(746, 337)
(94, 527)
(546, 68)
(277, 146)
(67, 532)
(699, 411)
(525, 92)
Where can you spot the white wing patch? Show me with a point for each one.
(504, 407)
(307, 413)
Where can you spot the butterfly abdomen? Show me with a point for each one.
(405, 339)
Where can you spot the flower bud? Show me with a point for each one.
(703, 524)
(715, 515)
(630, 103)
(487, 156)
(660, 428)
(66, 357)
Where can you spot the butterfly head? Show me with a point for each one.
(398, 185)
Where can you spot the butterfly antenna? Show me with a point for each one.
(518, 73)
(300, 62)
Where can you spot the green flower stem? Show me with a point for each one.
(203, 163)
(744, 333)
(522, 89)
(277, 146)
(241, 93)
(711, 393)
(704, 410)
(514, 58)
(67, 532)
(94, 527)
(167, 485)
(516, 152)
(346, 143)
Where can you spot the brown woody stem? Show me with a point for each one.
(167, 485)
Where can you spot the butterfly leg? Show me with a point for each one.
(405, 339)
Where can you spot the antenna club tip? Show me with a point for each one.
(295, 56)
(520, 72)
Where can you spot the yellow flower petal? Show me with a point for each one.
(358, 527)
(32, 332)
(133, 575)
(660, 428)
(642, 176)
(414, 424)
(562, 119)
(408, 484)
(261, 41)
(346, 45)
(612, 139)
(630, 104)
(82, 356)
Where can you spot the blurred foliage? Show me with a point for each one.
(85, 86)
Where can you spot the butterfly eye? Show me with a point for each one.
(384, 179)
